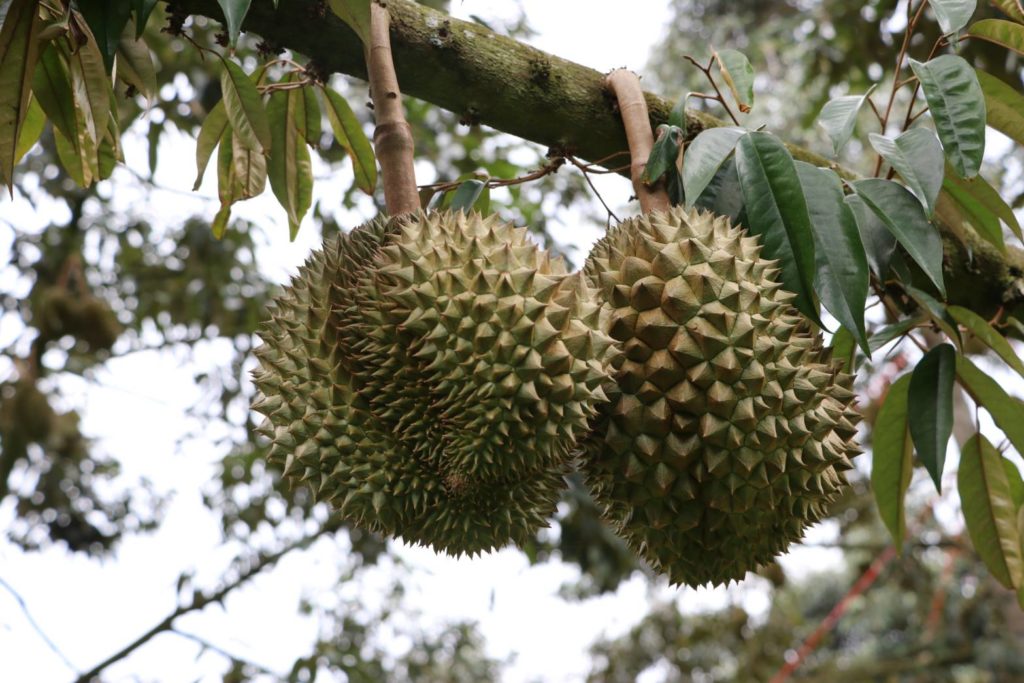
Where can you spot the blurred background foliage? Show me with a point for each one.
(109, 279)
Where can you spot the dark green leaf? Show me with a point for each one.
(1006, 412)
(777, 211)
(957, 106)
(839, 118)
(31, 129)
(1013, 477)
(1006, 33)
(19, 52)
(210, 134)
(143, 8)
(936, 310)
(844, 350)
(841, 265)
(917, 156)
(723, 195)
(988, 335)
(355, 13)
(983, 193)
(902, 214)
(467, 195)
(1005, 107)
(953, 15)
(989, 511)
(894, 331)
(349, 134)
(892, 459)
(244, 107)
(664, 154)
(704, 157)
(106, 20)
(968, 211)
(738, 75)
(234, 15)
(879, 243)
(310, 127)
(930, 408)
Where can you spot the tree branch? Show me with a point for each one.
(201, 600)
(492, 79)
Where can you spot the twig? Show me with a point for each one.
(706, 70)
(392, 138)
(911, 26)
(35, 626)
(224, 653)
(201, 600)
(586, 177)
(633, 109)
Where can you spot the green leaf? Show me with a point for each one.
(892, 459)
(1005, 107)
(844, 350)
(989, 512)
(226, 184)
(244, 107)
(902, 214)
(777, 211)
(980, 189)
(957, 107)
(1016, 482)
(664, 154)
(988, 336)
(91, 84)
(349, 134)
(250, 171)
(19, 52)
(71, 160)
(974, 202)
(930, 408)
(1006, 412)
(953, 15)
(936, 310)
(52, 87)
(220, 221)
(355, 13)
(723, 195)
(879, 243)
(839, 118)
(1012, 8)
(841, 265)
(291, 175)
(310, 125)
(135, 64)
(894, 331)
(210, 133)
(31, 129)
(467, 196)
(143, 9)
(234, 15)
(917, 156)
(704, 157)
(106, 20)
(1005, 33)
(738, 75)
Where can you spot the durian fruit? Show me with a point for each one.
(329, 429)
(482, 353)
(729, 431)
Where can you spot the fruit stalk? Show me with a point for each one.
(625, 85)
(392, 138)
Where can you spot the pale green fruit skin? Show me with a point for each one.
(730, 430)
(482, 353)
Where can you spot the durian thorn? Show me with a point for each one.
(625, 85)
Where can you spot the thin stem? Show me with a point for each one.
(633, 109)
(911, 26)
(706, 70)
(35, 626)
(392, 139)
(203, 642)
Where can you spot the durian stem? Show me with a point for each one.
(625, 85)
(392, 138)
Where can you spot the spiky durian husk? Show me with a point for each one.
(483, 354)
(730, 430)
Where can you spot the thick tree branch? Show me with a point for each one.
(494, 80)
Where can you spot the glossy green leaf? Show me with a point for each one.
(234, 15)
(902, 214)
(210, 134)
(1005, 107)
(723, 195)
(917, 156)
(892, 459)
(704, 157)
(894, 331)
(776, 210)
(968, 209)
(291, 175)
(989, 511)
(957, 106)
(988, 335)
(953, 15)
(981, 191)
(355, 13)
(469, 195)
(664, 154)
(106, 20)
(19, 52)
(1012, 8)
(244, 107)
(936, 310)
(844, 350)
(879, 243)
(841, 265)
(738, 74)
(1006, 412)
(1006, 33)
(135, 64)
(143, 9)
(930, 408)
(839, 118)
(349, 134)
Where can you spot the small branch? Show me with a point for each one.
(718, 97)
(633, 109)
(201, 600)
(35, 626)
(224, 653)
(392, 139)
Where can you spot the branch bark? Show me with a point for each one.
(491, 79)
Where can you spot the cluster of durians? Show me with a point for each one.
(436, 377)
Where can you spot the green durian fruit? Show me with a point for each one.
(730, 430)
(483, 355)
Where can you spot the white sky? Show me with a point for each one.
(92, 608)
